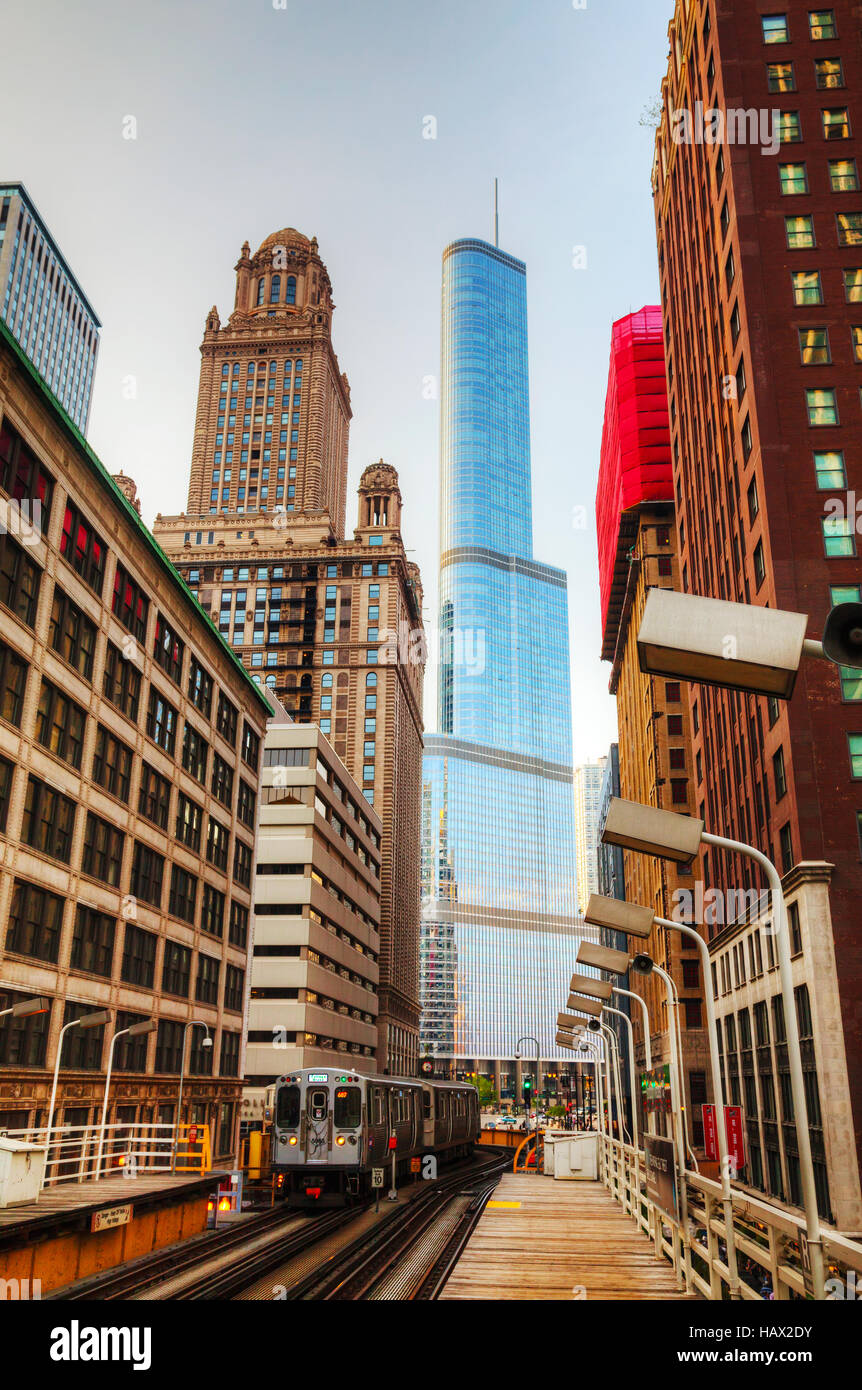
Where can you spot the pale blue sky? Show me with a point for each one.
(252, 118)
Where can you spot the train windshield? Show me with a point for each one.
(348, 1107)
(288, 1107)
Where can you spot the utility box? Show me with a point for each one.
(22, 1171)
(577, 1156)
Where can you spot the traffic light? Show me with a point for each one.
(528, 1090)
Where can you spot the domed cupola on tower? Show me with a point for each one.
(379, 502)
(285, 278)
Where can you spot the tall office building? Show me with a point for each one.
(499, 908)
(331, 625)
(637, 551)
(760, 259)
(43, 305)
(588, 790)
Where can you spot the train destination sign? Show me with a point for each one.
(318, 1076)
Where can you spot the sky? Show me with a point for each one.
(246, 116)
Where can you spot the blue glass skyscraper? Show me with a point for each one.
(499, 932)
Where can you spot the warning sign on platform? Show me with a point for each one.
(110, 1217)
(378, 1177)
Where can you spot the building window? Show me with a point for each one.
(168, 650)
(212, 915)
(838, 536)
(49, 819)
(148, 869)
(250, 749)
(238, 925)
(814, 346)
(853, 286)
(246, 804)
(154, 797)
(821, 24)
(229, 1060)
(112, 764)
(82, 1050)
(849, 228)
(130, 604)
(836, 123)
(206, 986)
(195, 753)
(785, 840)
(130, 1053)
(759, 564)
(13, 680)
(161, 721)
(242, 863)
(200, 690)
(843, 175)
(793, 178)
(60, 724)
(35, 922)
(71, 634)
(218, 840)
(854, 742)
(226, 719)
(183, 895)
(22, 476)
(807, 288)
(828, 72)
(851, 683)
(856, 342)
(93, 941)
(829, 469)
(799, 232)
(121, 683)
(678, 790)
(103, 851)
(169, 1046)
(19, 580)
(822, 407)
(234, 989)
(775, 28)
(845, 593)
(780, 77)
(779, 774)
(139, 957)
(189, 822)
(789, 128)
(221, 785)
(176, 969)
(83, 548)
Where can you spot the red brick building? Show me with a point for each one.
(760, 256)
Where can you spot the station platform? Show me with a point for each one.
(539, 1238)
(74, 1230)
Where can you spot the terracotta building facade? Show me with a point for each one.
(760, 260)
(130, 741)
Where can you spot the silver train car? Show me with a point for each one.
(330, 1128)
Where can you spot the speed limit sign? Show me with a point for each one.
(378, 1177)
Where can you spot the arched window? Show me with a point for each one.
(261, 289)
(290, 297)
(326, 679)
(275, 289)
(371, 678)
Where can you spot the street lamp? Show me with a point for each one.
(588, 984)
(25, 1008)
(666, 834)
(582, 1004)
(528, 1037)
(135, 1030)
(739, 645)
(96, 1020)
(207, 1042)
(627, 1021)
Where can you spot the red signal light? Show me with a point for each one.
(313, 1192)
(393, 1142)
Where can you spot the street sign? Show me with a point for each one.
(661, 1184)
(734, 1132)
(710, 1132)
(378, 1177)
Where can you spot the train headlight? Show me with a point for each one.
(340, 1139)
(292, 1139)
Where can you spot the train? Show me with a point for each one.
(330, 1128)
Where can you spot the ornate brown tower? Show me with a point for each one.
(273, 411)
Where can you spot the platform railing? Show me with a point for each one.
(127, 1150)
(768, 1238)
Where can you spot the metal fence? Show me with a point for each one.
(82, 1153)
(768, 1239)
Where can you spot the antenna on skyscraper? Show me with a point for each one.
(497, 213)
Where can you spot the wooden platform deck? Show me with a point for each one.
(57, 1204)
(558, 1240)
